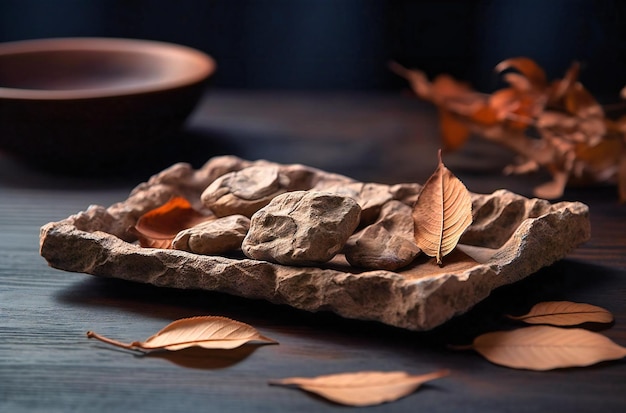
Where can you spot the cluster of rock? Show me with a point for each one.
(295, 215)
(256, 204)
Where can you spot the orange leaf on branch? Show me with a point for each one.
(578, 143)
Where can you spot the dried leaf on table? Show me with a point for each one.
(564, 313)
(441, 214)
(209, 332)
(365, 388)
(157, 228)
(546, 348)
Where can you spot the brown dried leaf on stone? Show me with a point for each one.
(441, 213)
(546, 348)
(565, 313)
(365, 388)
(158, 227)
(209, 332)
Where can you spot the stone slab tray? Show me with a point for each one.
(511, 238)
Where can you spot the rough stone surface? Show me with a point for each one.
(244, 192)
(301, 228)
(214, 237)
(386, 244)
(511, 238)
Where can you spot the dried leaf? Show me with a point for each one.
(580, 102)
(528, 67)
(561, 86)
(445, 87)
(546, 348)
(565, 313)
(441, 213)
(515, 115)
(158, 227)
(453, 132)
(210, 332)
(420, 84)
(366, 388)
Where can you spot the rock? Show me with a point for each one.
(369, 196)
(406, 193)
(179, 179)
(214, 237)
(244, 192)
(496, 217)
(302, 178)
(301, 228)
(512, 237)
(386, 244)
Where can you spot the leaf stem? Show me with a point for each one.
(91, 334)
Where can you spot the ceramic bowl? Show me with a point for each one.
(92, 104)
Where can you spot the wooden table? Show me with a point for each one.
(47, 364)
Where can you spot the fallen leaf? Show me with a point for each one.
(365, 388)
(441, 213)
(564, 313)
(546, 348)
(158, 227)
(209, 332)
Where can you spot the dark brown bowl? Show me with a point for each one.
(88, 104)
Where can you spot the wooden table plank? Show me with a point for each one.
(48, 365)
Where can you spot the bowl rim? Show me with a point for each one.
(203, 65)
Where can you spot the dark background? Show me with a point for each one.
(346, 44)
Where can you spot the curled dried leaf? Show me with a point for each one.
(158, 227)
(546, 348)
(565, 313)
(418, 81)
(527, 67)
(210, 332)
(580, 102)
(561, 86)
(441, 213)
(365, 388)
(514, 116)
